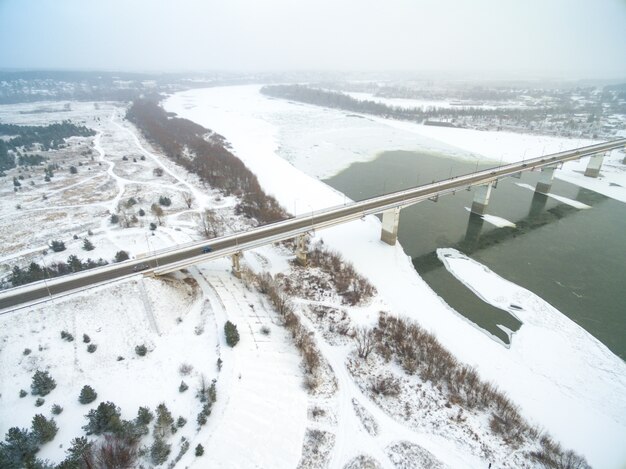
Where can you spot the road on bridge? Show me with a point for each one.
(180, 257)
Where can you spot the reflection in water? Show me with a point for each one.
(572, 258)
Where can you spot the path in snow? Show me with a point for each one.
(260, 414)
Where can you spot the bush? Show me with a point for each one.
(57, 409)
(86, 339)
(159, 451)
(104, 419)
(88, 245)
(199, 450)
(121, 256)
(153, 226)
(164, 420)
(91, 348)
(42, 383)
(67, 336)
(183, 387)
(265, 330)
(165, 201)
(19, 447)
(231, 333)
(144, 416)
(141, 212)
(158, 172)
(114, 219)
(23, 393)
(180, 422)
(87, 395)
(39, 402)
(26, 351)
(43, 429)
(57, 246)
(73, 170)
(141, 350)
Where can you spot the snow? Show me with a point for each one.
(565, 200)
(494, 220)
(568, 382)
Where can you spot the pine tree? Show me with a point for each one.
(232, 335)
(159, 451)
(144, 416)
(88, 245)
(164, 420)
(199, 450)
(105, 418)
(87, 395)
(43, 430)
(42, 383)
(19, 448)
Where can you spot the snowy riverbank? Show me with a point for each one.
(562, 377)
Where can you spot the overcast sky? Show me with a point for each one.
(560, 38)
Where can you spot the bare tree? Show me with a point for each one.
(208, 224)
(157, 211)
(364, 341)
(188, 198)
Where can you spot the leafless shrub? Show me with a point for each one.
(208, 224)
(185, 369)
(188, 198)
(418, 351)
(385, 385)
(114, 452)
(364, 339)
(552, 456)
(352, 287)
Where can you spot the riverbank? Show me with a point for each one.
(581, 400)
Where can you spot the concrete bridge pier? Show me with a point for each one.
(389, 233)
(301, 249)
(545, 180)
(481, 199)
(594, 165)
(235, 259)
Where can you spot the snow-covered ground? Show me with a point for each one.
(562, 378)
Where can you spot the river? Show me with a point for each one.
(573, 258)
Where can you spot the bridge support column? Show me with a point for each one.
(481, 199)
(389, 233)
(545, 180)
(235, 258)
(301, 250)
(594, 165)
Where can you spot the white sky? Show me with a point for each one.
(561, 38)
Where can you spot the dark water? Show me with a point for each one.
(574, 259)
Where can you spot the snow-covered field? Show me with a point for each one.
(281, 142)
(563, 379)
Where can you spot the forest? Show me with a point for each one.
(28, 137)
(210, 158)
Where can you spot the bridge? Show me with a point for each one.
(389, 205)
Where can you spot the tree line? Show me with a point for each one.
(210, 159)
(49, 137)
(337, 100)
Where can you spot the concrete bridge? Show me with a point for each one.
(389, 205)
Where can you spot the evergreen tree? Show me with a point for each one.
(164, 420)
(232, 335)
(18, 449)
(88, 245)
(105, 418)
(42, 383)
(43, 430)
(121, 256)
(87, 395)
(57, 246)
(144, 416)
(199, 450)
(159, 451)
